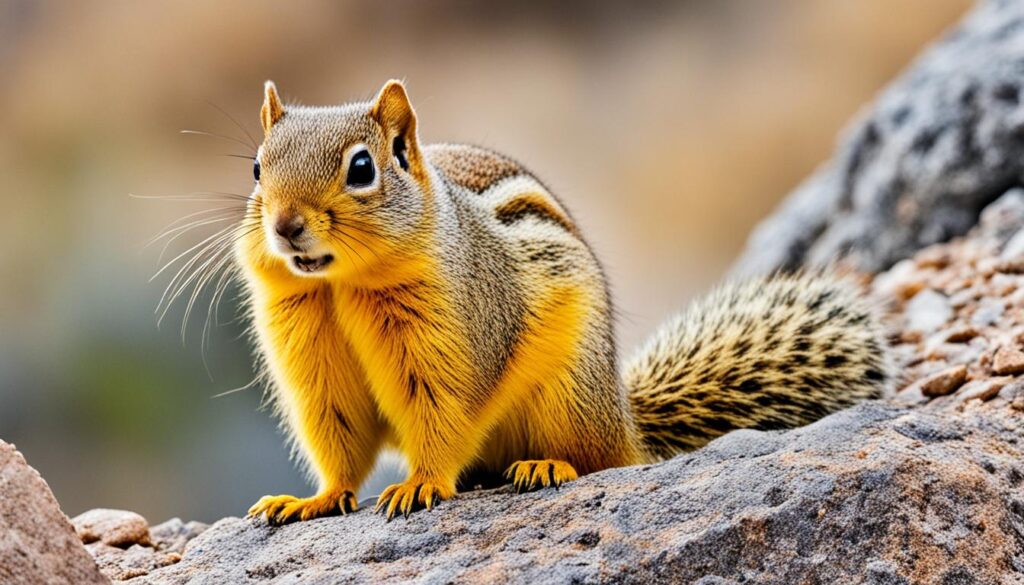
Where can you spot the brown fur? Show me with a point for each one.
(472, 167)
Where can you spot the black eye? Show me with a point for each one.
(360, 170)
(256, 171)
(398, 146)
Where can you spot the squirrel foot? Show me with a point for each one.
(411, 495)
(533, 474)
(284, 509)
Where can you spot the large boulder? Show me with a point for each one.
(937, 146)
(37, 542)
(876, 494)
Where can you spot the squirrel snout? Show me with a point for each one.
(290, 227)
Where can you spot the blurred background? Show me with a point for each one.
(668, 128)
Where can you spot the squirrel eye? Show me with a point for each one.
(256, 171)
(360, 171)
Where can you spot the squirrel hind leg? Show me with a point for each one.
(531, 474)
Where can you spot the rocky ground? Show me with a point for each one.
(926, 486)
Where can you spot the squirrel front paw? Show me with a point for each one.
(284, 509)
(411, 495)
(534, 474)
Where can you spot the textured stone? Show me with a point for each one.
(121, 564)
(944, 382)
(937, 146)
(173, 535)
(37, 542)
(119, 528)
(926, 495)
(125, 547)
(981, 389)
(1008, 360)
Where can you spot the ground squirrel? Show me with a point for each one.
(439, 300)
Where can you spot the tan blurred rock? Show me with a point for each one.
(981, 389)
(902, 281)
(1008, 360)
(944, 382)
(961, 334)
(37, 542)
(119, 528)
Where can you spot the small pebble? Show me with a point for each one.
(927, 311)
(987, 266)
(1008, 361)
(961, 334)
(901, 282)
(963, 298)
(981, 389)
(988, 312)
(1015, 266)
(1004, 284)
(119, 528)
(944, 382)
(934, 257)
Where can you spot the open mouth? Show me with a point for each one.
(312, 265)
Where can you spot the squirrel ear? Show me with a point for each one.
(393, 111)
(272, 109)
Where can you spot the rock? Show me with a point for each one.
(173, 535)
(125, 547)
(37, 542)
(944, 382)
(988, 312)
(961, 334)
(1015, 266)
(924, 495)
(121, 564)
(937, 146)
(981, 389)
(1012, 390)
(927, 311)
(1008, 361)
(1014, 248)
(119, 528)
(900, 282)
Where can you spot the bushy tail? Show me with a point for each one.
(769, 353)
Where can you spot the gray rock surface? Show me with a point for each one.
(37, 542)
(877, 494)
(938, 145)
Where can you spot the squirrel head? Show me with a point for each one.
(339, 190)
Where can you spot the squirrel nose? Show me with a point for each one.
(290, 226)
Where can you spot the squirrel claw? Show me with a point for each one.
(407, 497)
(283, 509)
(529, 475)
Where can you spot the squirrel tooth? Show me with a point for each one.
(444, 303)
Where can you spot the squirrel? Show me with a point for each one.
(440, 301)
